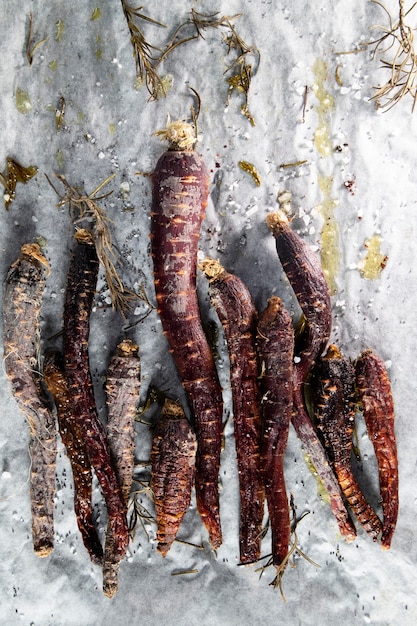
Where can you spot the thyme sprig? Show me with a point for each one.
(84, 207)
(402, 80)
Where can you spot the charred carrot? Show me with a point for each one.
(375, 395)
(180, 189)
(173, 463)
(72, 438)
(275, 339)
(122, 391)
(306, 277)
(21, 328)
(79, 297)
(333, 391)
(236, 310)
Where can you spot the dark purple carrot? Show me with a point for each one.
(180, 188)
(306, 277)
(122, 391)
(333, 394)
(72, 438)
(22, 300)
(236, 310)
(275, 339)
(375, 395)
(81, 284)
(173, 464)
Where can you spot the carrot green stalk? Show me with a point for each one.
(276, 347)
(173, 463)
(375, 395)
(306, 277)
(72, 438)
(79, 297)
(180, 189)
(122, 390)
(236, 310)
(22, 300)
(333, 394)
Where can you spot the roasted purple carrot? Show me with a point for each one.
(79, 297)
(180, 188)
(236, 310)
(375, 396)
(173, 463)
(22, 300)
(333, 395)
(276, 347)
(306, 277)
(72, 438)
(122, 391)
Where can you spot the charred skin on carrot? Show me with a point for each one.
(275, 340)
(237, 313)
(180, 190)
(173, 467)
(22, 299)
(81, 284)
(375, 396)
(72, 438)
(333, 393)
(303, 269)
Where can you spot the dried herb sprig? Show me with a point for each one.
(84, 207)
(403, 66)
(143, 50)
(32, 47)
(15, 173)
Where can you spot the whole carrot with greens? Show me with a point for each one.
(275, 339)
(22, 300)
(173, 466)
(81, 284)
(180, 190)
(122, 394)
(234, 305)
(306, 277)
(72, 437)
(333, 393)
(375, 396)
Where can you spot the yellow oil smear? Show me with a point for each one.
(99, 54)
(96, 14)
(23, 101)
(330, 254)
(325, 106)
(112, 129)
(330, 250)
(374, 261)
(59, 156)
(53, 65)
(60, 30)
(321, 489)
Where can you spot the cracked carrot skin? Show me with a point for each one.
(236, 311)
(275, 339)
(180, 191)
(333, 391)
(72, 438)
(303, 269)
(122, 392)
(375, 395)
(173, 466)
(22, 300)
(82, 278)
